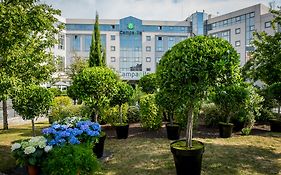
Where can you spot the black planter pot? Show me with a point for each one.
(188, 161)
(275, 125)
(173, 131)
(99, 147)
(225, 129)
(122, 131)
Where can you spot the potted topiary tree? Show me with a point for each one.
(123, 95)
(31, 102)
(275, 93)
(186, 73)
(96, 86)
(148, 83)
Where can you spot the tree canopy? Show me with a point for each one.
(148, 83)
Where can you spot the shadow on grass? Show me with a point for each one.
(6, 159)
(153, 156)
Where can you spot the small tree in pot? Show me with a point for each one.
(123, 95)
(275, 93)
(31, 102)
(187, 72)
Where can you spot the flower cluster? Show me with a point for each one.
(30, 151)
(82, 131)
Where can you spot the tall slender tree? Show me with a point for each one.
(97, 54)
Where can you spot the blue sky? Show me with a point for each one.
(149, 9)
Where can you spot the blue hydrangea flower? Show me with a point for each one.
(74, 140)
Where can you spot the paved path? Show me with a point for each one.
(19, 121)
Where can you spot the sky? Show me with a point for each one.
(149, 9)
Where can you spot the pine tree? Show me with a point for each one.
(96, 57)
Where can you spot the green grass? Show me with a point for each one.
(239, 155)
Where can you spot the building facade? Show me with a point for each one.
(134, 46)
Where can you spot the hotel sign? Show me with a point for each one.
(133, 75)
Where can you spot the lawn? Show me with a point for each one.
(239, 155)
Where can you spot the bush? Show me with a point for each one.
(112, 114)
(71, 160)
(148, 83)
(59, 107)
(57, 92)
(149, 113)
(133, 114)
(211, 114)
(246, 131)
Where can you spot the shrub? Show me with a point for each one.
(148, 83)
(56, 92)
(133, 114)
(211, 114)
(149, 113)
(112, 115)
(71, 160)
(246, 131)
(60, 105)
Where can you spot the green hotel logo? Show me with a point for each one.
(130, 26)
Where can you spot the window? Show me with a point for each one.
(112, 59)
(148, 48)
(159, 38)
(158, 59)
(171, 38)
(237, 31)
(267, 24)
(148, 38)
(159, 27)
(112, 48)
(252, 28)
(225, 22)
(61, 42)
(112, 37)
(148, 69)
(237, 43)
(252, 15)
(75, 46)
(238, 18)
(148, 59)
(159, 49)
(113, 26)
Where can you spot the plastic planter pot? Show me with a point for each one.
(225, 129)
(275, 125)
(99, 146)
(187, 160)
(173, 131)
(122, 131)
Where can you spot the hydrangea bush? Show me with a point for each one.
(72, 133)
(30, 152)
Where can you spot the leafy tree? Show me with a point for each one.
(27, 29)
(123, 95)
(96, 86)
(275, 93)
(96, 57)
(192, 67)
(148, 83)
(32, 101)
(76, 67)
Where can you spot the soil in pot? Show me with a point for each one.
(122, 131)
(275, 125)
(173, 131)
(225, 129)
(99, 146)
(187, 160)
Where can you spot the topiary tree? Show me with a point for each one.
(148, 83)
(192, 67)
(96, 86)
(31, 102)
(123, 95)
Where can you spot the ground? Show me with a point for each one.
(148, 152)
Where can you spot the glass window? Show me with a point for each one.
(238, 18)
(148, 69)
(159, 27)
(237, 43)
(225, 22)
(112, 48)
(112, 59)
(159, 49)
(252, 28)
(61, 42)
(112, 37)
(148, 48)
(87, 42)
(171, 38)
(75, 46)
(113, 26)
(237, 31)
(148, 38)
(148, 59)
(267, 24)
(159, 38)
(252, 14)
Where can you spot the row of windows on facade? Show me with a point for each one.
(136, 60)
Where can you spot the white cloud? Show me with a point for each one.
(148, 9)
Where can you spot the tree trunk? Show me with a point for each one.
(171, 118)
(5, 115)
(189, 128)
(75, 102)
(33, 128)
(279, 110)
(120, 112)
(96, 117)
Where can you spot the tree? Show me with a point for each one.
(31, 102)
(275, 93)
(27, 29)
(96, 57)
(96, 86)
(192, 67)
(148, 83)
(78, 65)
(123, 95)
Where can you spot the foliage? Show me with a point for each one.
(30, 152)
(71, 160)
(71, 92)
(246, 131)
(133, 114)
(275, 93)
(96, 57)
(112, 114)
(96, 86)
(211, 114)
(192, 67)
(56, 92)
(78, 65)
(68, 111)
(149, 113)
(148, 83)
(72, 133)
(137, 94)
(58, 106)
